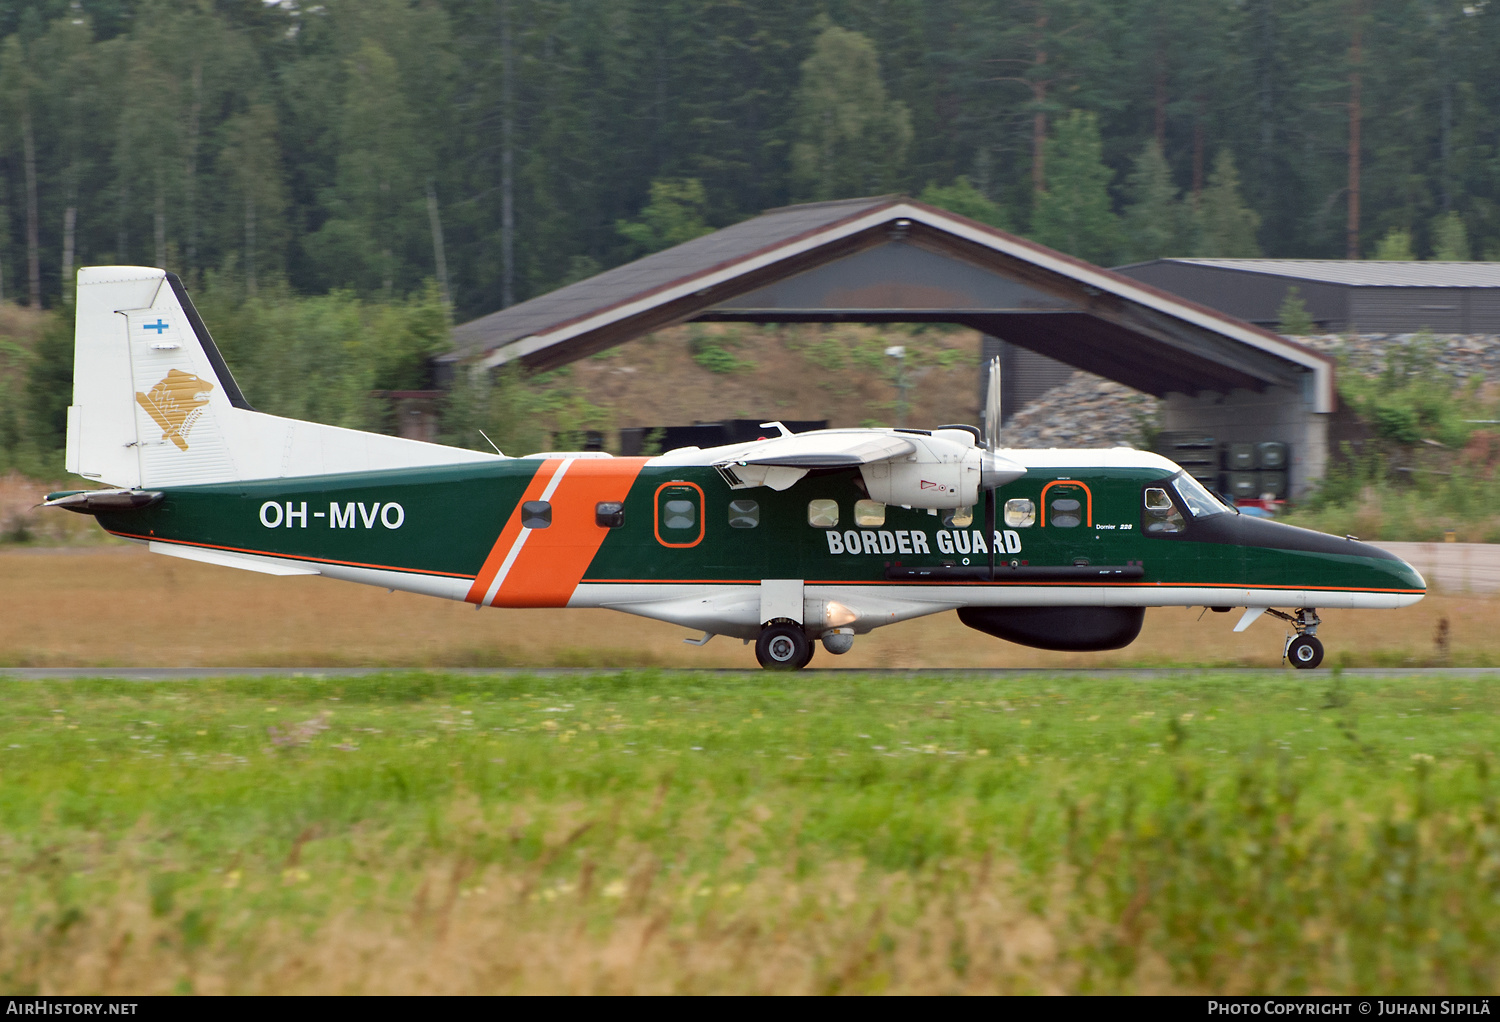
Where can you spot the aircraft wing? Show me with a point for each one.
(781, 461)
(824, 450)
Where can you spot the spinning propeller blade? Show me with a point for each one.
(992, 406)
(991, 442)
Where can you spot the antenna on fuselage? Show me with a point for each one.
(490, 442)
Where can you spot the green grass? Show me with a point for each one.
(751, 832)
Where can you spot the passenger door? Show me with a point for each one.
(1067, 521)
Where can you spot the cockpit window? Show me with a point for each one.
(1160, 516)
(1199, 501)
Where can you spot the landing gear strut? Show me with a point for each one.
(783, 647)
(1303, 650)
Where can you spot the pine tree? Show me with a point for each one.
(674, 215)
(1157, 224)
(250, 164)
(963, 198)
(1450, 240)
(376, 189)
(1293, 316)
(852, 139)
(1226, 226)
(1073, 215)
(1395, 246)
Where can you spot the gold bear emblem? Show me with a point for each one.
(175, 404)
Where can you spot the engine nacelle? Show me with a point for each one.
(1071, 629)
(945, 471)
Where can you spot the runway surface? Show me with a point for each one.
(1452, 567)
(1123, 673)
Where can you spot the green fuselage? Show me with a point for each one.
(446, 521)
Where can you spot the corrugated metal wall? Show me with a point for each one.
(1484, 312)
(1026, 376)
(1409, 309)
(1256, 297)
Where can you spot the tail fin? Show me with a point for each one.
(150, 391)
(155, 405)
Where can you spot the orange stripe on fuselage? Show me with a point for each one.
(551, 564)
(512, 529)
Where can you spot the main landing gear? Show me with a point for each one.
(1303, 650)
(783, 647)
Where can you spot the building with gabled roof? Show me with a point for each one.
(892, 259)
(1359, 295)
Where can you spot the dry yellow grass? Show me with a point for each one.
(489, 931)
(123, 607)
(792, 372)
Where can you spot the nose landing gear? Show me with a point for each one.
(1303, 650)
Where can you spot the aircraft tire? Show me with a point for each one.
(812, 647)
(783, 648)
(1305, 652)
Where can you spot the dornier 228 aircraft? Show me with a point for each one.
(783, 541)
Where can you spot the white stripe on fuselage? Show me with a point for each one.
(515, 548)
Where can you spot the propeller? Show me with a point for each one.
(991, 442)
(992, 405)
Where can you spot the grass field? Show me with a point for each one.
(671, 831)
(120, 606)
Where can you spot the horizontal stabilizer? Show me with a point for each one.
(223, 558)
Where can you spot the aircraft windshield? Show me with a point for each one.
(1200, 502)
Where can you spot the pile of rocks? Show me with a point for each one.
(1084, 411)
(1462, 355)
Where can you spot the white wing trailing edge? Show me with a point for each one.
(826, 449)
(941, 469)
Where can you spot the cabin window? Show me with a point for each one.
(958, 518)
(609, 514)
(868, 514)
(744, 514)
(1067, 512)
(536, 514)
(1020, 513)
(1161, 516)
(823, 514)
(679, 514)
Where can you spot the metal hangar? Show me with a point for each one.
(892, 259)
(1365, 296)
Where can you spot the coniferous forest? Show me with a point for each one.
(502, 147)
(352, 168)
